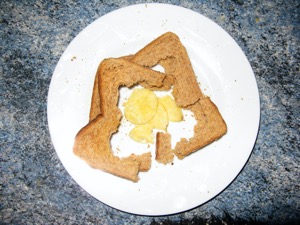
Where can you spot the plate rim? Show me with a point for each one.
(180, 8)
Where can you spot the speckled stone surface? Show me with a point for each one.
(36, 189)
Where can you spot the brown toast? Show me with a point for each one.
(114, 73)
(168, 51)
(105, 116)
(163, 153)
(95, 101)
(210, 127)
(92, 143)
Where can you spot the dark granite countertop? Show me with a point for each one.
(36, 189)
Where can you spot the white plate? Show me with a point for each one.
(221, 68)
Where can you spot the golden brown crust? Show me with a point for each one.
(144, 159)
(95, 103)
(114, 73)
(210, 127)
(105, 116)
(92, 143)
(168, 51)
(87, 146)
(163, 153)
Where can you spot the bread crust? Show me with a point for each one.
(95, 101)
(210, 127)
(92, 143)
(168, 51)
(163, 153)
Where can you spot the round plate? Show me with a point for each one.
(224, 74)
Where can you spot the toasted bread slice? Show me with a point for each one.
(114, 73)
(210, 127)
(95, 101)
(163, 153)
(168, 51)
(92, 143)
